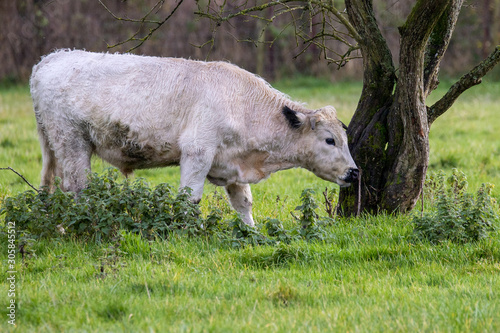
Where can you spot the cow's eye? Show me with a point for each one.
(330, 141)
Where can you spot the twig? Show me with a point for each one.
(22, 177)
(358, 209)
(142, 22)
(147, 289)
(422, 199)
(352, 30)
(328, 204)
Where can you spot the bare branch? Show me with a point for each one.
(22, 177)
(219, 18)
(342, 18)
(474, 77)
(144, 20)
(302, 20)
(358, 199)
(328, 204)
(334, 25)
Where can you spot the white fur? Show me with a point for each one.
(214, 119)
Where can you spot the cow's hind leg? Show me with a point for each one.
(74, 158)
(240, 197)
(49, 161)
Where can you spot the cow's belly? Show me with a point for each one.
(130, 157)
(128, 148)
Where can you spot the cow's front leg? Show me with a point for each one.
(194, 170)
(240, 197)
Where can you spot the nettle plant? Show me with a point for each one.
(458, 215)
(104, 208)
(310, 226)
(107, 207)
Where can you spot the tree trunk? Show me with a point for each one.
(367, 130)
(389, 130)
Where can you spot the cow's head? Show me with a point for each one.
(323, 143)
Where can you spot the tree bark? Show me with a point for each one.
(389, 131)
(367, 131)
(438, 44)
(408, 146)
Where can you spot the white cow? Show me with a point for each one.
(214, 119)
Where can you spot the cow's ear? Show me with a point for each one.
(295, 119)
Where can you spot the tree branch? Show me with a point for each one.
(334, 23)
(22, 177)
(377, 58)
(438, 44)
(343, 20)
(144, 20)
(474, 77)
(219, 18)
(417, 27)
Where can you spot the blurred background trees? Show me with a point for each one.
(32, 28)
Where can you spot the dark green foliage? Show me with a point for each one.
(37, 215)
(104, 208)
(459, 216)
(275, 229)
(107, 208)
(308, 209)
(242, 234)
(310, 226)
(310, 223)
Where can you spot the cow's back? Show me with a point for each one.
(111, 85)
(153, 99)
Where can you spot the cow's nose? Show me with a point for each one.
(352, 175)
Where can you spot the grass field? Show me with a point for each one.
(370, 275)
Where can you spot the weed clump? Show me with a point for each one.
(243, 235)
(106, 209)
(310, 226)
(459, 216)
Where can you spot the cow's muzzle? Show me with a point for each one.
(351, 176)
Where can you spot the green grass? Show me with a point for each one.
(369, 278)
(370, 275)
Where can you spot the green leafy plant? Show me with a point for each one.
(310, 222)
(106, 207)
(243, 235)
(459, 216)
(311, 226)
(275, 229)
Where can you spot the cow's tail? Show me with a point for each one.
(49, 161)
